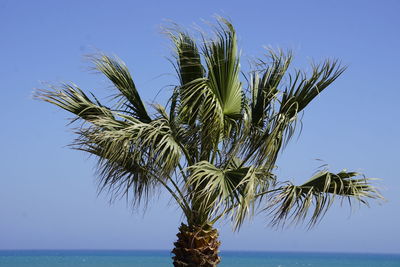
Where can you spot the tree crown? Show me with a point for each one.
(214, 147)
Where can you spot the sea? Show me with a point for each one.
(155, 258)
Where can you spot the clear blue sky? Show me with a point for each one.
(48, 196)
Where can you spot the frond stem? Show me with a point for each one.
(182, 172)
(184, 206)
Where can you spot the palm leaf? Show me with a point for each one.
(189, 69)
(116, 70)
(119, 177)
(218, 190)
(72, 99)
(152, 142)
(293, 202)
(302, 90)
(222, 60)
(264, 85)
(271, 129)
(131, 153)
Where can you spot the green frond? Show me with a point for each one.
(191, 97)
(212, 124)
(302, 90)
(119, 177)
(222, 60)
(152, 142)
(261, 146)
(130, 152)
(264, 84)
(189, 66)
(188, 134)
(72, 99)
(270, 144)
(253, 180)
(271, 127)
(189, 69)
(294, 202)
(218, 190)
(206, 179)
(116, 70)
(133, 155)
(209, 114)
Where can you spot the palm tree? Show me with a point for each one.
(214, 146)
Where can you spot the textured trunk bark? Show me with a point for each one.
(196, 246)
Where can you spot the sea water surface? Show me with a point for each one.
(154, 258)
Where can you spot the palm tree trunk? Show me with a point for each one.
(196, 246)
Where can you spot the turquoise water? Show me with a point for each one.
(91, 258)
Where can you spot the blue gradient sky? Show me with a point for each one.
(48, 196)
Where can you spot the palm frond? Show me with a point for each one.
(189, 68)
(264, 84)
(272, 129)
(207, 113)
(152, 142)
(261, 146)
(212, 124)
(119, 177)
(253, 180)
(72, 99)
(302, 90)
(188, 134)
(132, 154)
(218, 190)
(222, 60)
(293, 202)
(116, 70)
(191, 96)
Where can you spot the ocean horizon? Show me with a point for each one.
(125, 258)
